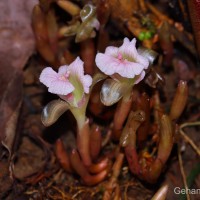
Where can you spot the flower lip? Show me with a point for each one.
(125, 60)
(64, 77)
(120, 57)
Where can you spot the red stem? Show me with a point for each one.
(132, 157)
(63, 156)
(88, 55)
(95, 142)
(83, 143)
(120, 116)
(100, 166)
(143, 103)
(82, 170)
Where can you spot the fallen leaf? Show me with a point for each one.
(16, 35)
(31, 159)
(10, 103)
(16, 46)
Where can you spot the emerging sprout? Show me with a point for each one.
(83, 28)
(89, 22)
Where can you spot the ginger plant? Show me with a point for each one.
(142, 132)
(73, 88)
(126, 67)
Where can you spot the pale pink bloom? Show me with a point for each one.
(68, 79)
(125, 61)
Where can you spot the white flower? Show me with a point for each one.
(69, 83)
(125, 61)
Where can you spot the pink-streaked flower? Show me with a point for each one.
(69, 82)
(125, 61)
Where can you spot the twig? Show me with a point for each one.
(183, 173)
(197, 123)
(185, 16)
(112, 184)
(159, 14)
(64, 195)
(125, 193)
(78, 193)
(194, 146)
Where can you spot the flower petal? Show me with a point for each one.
(77, 78)
(128, 48)
(76, 67)
(87, 81)
(112, 51)
(129, 51)
(130, 69)
(61, 87)
(62, 69)
(47, 76)
(106, 63)
(144, 61)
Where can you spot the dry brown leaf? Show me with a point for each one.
(16, 46)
